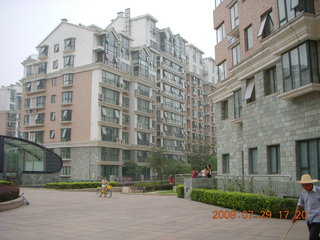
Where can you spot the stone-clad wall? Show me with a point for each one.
(268, 120)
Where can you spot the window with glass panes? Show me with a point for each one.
(66, 115)
(308, 158)
(110, 78)
(65, 152)
(253, 160)
(68, 79)
(111, 50)
(41, 101)
(273, 156)
(249, 37)
(222, 71)
(237, 104)
(110, 96)
(220, 33)
(236, 55)
(225, 164)
(234, 16)
(110, 154)
(143, 121)
(144, 90)
(270, 81)
(67, 97)
(143, 105)
(300, 66)
(109, 134)
(224, 110)
(110, 115)
(125, 102)
(143, 138)
(65, 134)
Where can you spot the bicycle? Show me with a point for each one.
(107, 192)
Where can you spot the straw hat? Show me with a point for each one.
(306, 178)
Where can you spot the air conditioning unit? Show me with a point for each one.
(101, 96)
(139, 125)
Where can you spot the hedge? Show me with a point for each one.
(75, 185)
(246, 202)
(6, 182)
(180, 191)
(151, 187)
(8, 192)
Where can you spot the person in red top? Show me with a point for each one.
(194, 173)
(171, 179)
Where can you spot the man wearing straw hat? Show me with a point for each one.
(310, 200)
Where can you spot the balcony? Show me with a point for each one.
(311, 87)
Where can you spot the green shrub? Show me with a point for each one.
(257, 203)
(8, 192)
(75, 185)
(6, 182)
(152, 186)
(180, 191)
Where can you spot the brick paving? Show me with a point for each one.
(57, 215)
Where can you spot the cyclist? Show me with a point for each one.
(104, 183)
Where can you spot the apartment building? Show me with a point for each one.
(10, 108)
(104, 97)
(267, 97)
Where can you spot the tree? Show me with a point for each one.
(199, 154)
(131, 169)
(157, 161)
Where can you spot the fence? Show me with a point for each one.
(272, 185)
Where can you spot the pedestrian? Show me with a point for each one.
(209, 172)
(310, 201)
(194, 173)
(171, 179)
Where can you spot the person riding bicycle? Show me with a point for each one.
(104, 183)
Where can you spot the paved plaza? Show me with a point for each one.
(64, 215)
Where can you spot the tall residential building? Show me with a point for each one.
(10, 108)
(267, 98)
(104, 97)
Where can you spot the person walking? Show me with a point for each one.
(194, 173)
(310, 201)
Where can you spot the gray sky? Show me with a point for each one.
(25, 23)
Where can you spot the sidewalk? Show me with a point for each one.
(64, 215)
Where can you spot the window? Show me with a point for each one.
(300, 66)
(125, 119)
(270, 78)
(143, 122)
(234, 16)
(225, 164)
(56, 48)
(69, 44)
(53, 81)
(65, 153)
(110, 96)
(52, 134)
(222, 71)
(217, 2)
(42, 68)
(55, 64)
(68, 61)
(110, 154)
(43, 51)
(289, 9)
(41, 84)
(66, 115)
(143, 138)
(144, 90)
(67, 97)
(53, 98)
(66, 171)
(266, 26)
(125, 102)
(249, 37)
(143, 105)
(220, 33)
(253, 161)
(67, 79)
(110, 115)
(308, 158)
(236, 55)
(273, 156)
(237, 104)
(52, 116)
(40, 101)
(110, 78)
(65, 134)
(224, 110)
(109, 134)
(250, 95)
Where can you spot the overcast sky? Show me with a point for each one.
(25, 23)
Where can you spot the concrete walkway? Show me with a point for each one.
(64, 215)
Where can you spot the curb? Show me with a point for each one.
(15, 203)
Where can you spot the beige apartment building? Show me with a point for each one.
(104, 97)
(10, 108)
(267, 97)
